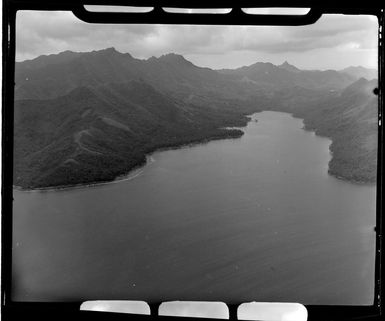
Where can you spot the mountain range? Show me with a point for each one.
(88, 117)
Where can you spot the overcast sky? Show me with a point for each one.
(334, 42)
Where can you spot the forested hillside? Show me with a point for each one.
(90, 117)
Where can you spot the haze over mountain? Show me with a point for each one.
(359, 72)
(93, 116)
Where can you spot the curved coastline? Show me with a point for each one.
(132, 173)
(137, 170)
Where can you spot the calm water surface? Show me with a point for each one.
(256, 218)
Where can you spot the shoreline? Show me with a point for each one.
(350, 180)
(330, 171)
(131, 174)
(137, 170)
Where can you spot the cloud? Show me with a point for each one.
(51, 32)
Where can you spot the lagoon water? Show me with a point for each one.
(251, 219)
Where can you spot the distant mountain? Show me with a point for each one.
(92, 116)
(44, 60)
(267, 75)
(361, 72)
(170, 73)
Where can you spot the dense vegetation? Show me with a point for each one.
(88, 117)
(349, 119)
(77, 138)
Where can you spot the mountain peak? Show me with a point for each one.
(361, 85)
(288, 67)
(44, 60)
(109, 50)
(362, 80)
(171, 55)
(174, 58)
